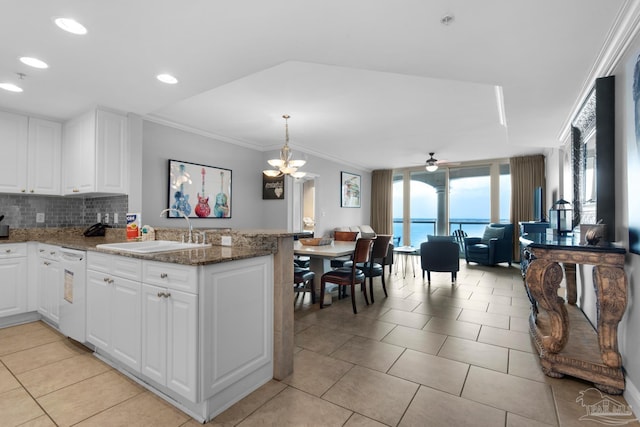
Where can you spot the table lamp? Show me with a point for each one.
(560, 217)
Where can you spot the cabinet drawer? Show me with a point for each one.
(173, 276)
(121, 266)
(13, 250)
(49, 252)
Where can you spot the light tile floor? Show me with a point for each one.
(438, 355)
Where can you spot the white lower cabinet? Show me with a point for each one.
(169, 338)
(114, 307)
(13, 279)
(49, 282)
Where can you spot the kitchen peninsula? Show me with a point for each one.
(231, 306)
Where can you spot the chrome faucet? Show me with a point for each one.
(185, 217)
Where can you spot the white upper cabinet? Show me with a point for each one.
(95, 154)
(13, 161)
(30, 161)
(45, 153)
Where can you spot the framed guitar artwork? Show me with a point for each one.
(199, 191)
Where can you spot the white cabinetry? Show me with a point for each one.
(95, 153)
(30, 161)
(13, 279)
(45, 153)
(113, 306)
(170, 326)
(49, 282)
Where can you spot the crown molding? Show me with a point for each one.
(625, 28)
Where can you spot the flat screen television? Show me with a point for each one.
(538, 205)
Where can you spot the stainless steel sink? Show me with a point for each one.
(152, 246)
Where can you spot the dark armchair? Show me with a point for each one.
(441, 256)
(495, 246)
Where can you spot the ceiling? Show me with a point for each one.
(371, 83)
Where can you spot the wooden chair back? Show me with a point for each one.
(345, 236)
(362, 253)
(380, 246)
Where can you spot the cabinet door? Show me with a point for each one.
(125, 321)
(182, 347)
(112, 154)
(98, 309)
(54, 290)
(13, 286)
(13, 161)
(45, 152)
(43, 300)
(79, 154)
(154, 333)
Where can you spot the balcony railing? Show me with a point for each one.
(421, 228)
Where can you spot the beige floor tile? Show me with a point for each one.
(405, 318)
(36, 357)
(482, 318)
(460, 303)
(23, 329)
(526, 365)
(569, 388)
(521, 396)
(452, 292)
(366, 327)
(55, 376)
(436, 310)
(519, 324)
(373, 394)
(416, 339)
(41, 421)
(145, 409)
(369, 353)
(475, 353)
(433, 371)
(315, 373)
(509, 310)
(575, 413)
(17, 407)
(515, 420)
(246, 406)
(452, 327)
(30, 338)
(7, 380)
(436, 408)
(81, 400)
(296, 408)
(358, 420)
(491, 298)
(521, 301)
(473, 288)
(398, 303)
(518, 291)
(321, 340)
(506, 338)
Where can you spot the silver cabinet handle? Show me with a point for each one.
(8, 251)
(110, 281)
(47, 263)
(163, 275)
(160, 294)
(106, 279)
(164, 294)
(41, 250)
(167, 295)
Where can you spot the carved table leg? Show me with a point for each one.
(611, 288)
(570, 275)
(543, 279)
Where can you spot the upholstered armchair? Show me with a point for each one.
(495, 245)
(440, 255)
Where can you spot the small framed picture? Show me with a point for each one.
(349, 190)
(272, 187)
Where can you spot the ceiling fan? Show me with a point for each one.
(432, 163)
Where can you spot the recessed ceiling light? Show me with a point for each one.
(70, 25)
(167, 78)
(33, 62)
(447, 19)
(10, 87)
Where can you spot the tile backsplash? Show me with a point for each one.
(20, 211)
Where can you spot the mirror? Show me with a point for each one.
(593, 158)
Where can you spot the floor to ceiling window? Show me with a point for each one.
(462, 197)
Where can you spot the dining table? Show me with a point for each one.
(320, 257)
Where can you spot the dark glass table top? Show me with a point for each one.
(569, 241)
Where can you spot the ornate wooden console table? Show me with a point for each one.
(565, 339)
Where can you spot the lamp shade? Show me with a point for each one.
(561, 217)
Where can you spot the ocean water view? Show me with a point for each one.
(422, 227)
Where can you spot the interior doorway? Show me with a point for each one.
(304, 204)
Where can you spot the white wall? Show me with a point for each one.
(249, 211)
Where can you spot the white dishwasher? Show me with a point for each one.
(74, 291)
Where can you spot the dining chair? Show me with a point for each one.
(349, 276)
(303, 281)
(343, 236)
(375, 266)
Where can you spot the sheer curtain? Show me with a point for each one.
(527, 173)
(382, 201)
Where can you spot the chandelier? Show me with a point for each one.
(285, 165)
